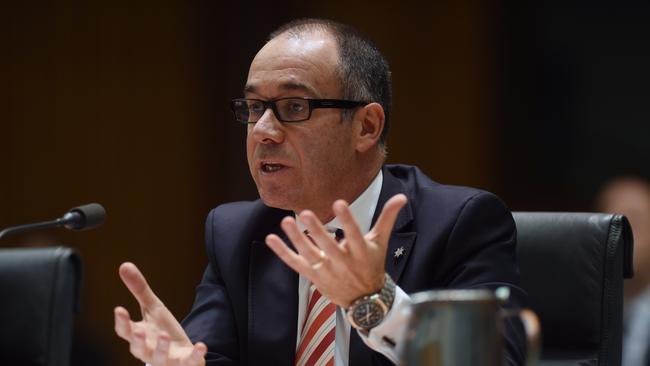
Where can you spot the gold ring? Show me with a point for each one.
(319, 263)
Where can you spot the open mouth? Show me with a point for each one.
(268, 167)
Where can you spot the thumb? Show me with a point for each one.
(137, 285)
(386, 220)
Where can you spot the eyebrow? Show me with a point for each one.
(288, 86)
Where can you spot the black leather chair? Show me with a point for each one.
(39, 290)
(572, 266)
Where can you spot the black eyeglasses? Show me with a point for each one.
(285, 109)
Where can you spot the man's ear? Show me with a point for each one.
(371, 124)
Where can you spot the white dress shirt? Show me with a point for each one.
(394, 324)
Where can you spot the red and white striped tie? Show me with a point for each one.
(316, 347)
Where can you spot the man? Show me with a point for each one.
(283, 288)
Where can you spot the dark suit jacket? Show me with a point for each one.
(246, 305)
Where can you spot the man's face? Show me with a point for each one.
(303, 165)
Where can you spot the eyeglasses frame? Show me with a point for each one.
(313, 104)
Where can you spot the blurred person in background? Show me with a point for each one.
(631, 197)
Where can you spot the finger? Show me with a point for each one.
(288, 256)
(301, 242)
(137, 284)
(122, 323)
(353, 237)
(139, 345)
(386, 220)
(321, 236)
(161, 354)
(198, 354)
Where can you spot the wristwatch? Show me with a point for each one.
(368, 311)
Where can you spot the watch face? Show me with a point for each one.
(367, 314)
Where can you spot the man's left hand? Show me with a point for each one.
(345, 271)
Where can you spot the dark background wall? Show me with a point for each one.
(576, 99)
(125, 103)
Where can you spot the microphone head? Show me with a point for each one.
(85, 217)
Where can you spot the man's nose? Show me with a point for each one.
(267, 129)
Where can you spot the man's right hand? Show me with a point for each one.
(158, 339)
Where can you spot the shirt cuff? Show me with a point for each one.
(387, 338)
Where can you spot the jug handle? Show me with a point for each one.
(532, 328)
(531, 325)
(533, 335)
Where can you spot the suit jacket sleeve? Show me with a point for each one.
(212, 318)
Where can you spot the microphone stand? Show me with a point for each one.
(79, 218)
(35, 226)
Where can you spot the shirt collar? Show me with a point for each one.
(363, 208)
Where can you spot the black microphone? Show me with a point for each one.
(84, 217)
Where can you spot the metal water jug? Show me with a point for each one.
(462, 328)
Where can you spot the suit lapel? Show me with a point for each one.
(397, 254)
(273, 307)
(402, 237)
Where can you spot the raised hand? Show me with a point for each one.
(158, 339)
(343, 271)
